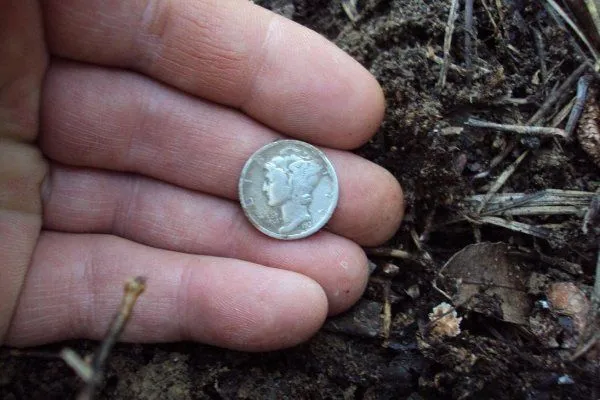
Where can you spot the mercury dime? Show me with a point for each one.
(288, 189)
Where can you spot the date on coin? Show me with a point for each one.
(288, 189)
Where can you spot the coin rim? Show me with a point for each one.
(314, 229)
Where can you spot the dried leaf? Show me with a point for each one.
(484, 278)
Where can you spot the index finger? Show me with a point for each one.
(231, 52)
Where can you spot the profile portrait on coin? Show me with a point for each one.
(290, 180)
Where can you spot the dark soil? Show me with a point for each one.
(356, 357)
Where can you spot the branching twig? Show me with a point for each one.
(92, 373)
(557, 94)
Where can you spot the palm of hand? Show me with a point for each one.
(144, 114)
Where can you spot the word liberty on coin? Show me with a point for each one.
(288, 189)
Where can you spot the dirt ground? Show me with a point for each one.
(522, 320)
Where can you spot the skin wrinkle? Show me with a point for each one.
(163, 29)
(125, 203)
(143, 106)
(148, 110)
(259, 65)
(151, 108)
(236, 332)
(45, 301)
(184, 317)
(88, 305)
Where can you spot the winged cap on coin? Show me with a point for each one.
(288, 189)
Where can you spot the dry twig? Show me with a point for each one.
(469, 35)
(557, 94)
(582, 89)
(91, 373)
(567, 266)
(501, 180)
(447, 44)
(537, 231)
(563, 113)
(387, 312)
(491, 18)
(575, 29)
(396, 253)
(519, 129)
(349, 7)
(539, 44)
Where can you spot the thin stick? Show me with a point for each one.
(491, 18)
(582, 88)
(92, 373)
(507, 173)
(539, 44)
(349, 7)
(394, 253)
(537, 231)
(469, 35)
(519, 129)
(594, 12)
(500, 11)
(575, 28)
(586, 347)
(387, 312)
(448, 43)
(133, 289)
(481, 71)
(554, 97)
(561, 24)
(596, 296)
(563, 113)
(558, 93)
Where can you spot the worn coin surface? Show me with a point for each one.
(288, 189)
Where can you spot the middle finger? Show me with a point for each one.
(118, 120)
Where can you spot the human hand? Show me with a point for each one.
(144, 113)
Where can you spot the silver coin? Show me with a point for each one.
(288, 189)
